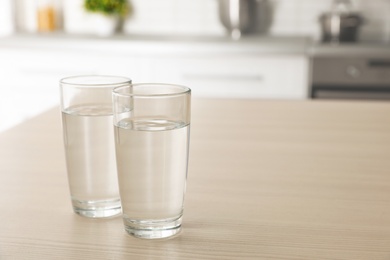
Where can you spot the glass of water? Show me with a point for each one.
(87, 118)
(152, 129)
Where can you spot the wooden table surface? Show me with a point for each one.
(267, 180)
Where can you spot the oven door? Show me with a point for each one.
(351, 78)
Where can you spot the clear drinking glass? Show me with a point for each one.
(87, 119)
(152, 129)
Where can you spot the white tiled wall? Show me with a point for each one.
(292, 17)
(174, 17)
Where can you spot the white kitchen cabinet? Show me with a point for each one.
(269, 76)
(31, 67)
(29, 79)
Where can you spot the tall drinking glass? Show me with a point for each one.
(152, 129)
(87, 118)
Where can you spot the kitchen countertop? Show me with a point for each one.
(370, 50)
(195, 45)
(267, 180)
(155, 45)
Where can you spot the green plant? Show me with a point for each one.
(108, 7)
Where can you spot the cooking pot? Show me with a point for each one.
(341, 24)
(241, 17)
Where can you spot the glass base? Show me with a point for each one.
(97, 209)
(153, 229)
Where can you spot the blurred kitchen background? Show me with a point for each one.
(200, 17)
(266, 49)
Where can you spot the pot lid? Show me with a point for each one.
(344, 10)
(341, 7)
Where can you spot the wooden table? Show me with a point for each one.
(267, 180)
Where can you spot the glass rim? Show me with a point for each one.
(184, 90)
(68, 81)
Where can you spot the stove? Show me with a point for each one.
(351, 72)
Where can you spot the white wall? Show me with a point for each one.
(175, 17)
(291, 17)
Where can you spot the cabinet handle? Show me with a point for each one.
(379, 63)
(216, 77)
